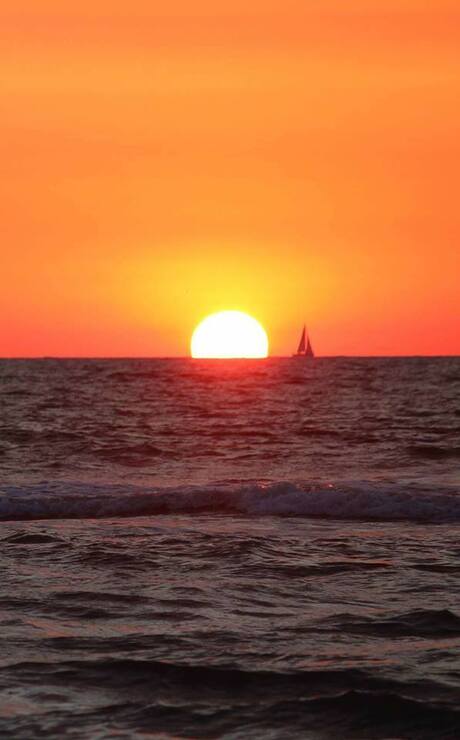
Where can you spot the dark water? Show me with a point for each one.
(261, 549)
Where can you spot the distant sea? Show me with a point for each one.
(240, 549)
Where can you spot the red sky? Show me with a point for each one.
(294, 159)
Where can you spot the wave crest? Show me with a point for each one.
(352, 500)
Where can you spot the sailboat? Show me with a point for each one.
(304, 349)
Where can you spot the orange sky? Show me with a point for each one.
(291, 158)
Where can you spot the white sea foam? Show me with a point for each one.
(350, 500)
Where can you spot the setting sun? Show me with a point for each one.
(229, 334)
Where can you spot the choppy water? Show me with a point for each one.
(264, 549)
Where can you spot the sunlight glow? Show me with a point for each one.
(229, 334)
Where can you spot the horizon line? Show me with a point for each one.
(200, 359)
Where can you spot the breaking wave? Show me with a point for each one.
(352, 500)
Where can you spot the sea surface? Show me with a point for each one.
(237, 549)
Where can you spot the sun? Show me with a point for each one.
(229, 334)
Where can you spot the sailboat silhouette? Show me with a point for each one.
(304, 349)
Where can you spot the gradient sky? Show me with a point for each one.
(296, 159)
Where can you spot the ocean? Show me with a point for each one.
(230, 549)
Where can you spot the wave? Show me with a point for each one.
(418, 623)
(359, 500)
(319, 683)
(350, 700)
(433, 452)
